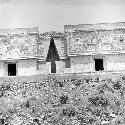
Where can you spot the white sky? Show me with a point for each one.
(52, 15)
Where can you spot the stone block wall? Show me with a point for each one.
(48, 67)
(2, 69)
(27, 67)
(42, 67)
(112, 63)
(82, 64)
(115, 62)
(60, 67)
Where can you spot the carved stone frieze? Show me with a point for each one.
(79, 42)
(19, 44)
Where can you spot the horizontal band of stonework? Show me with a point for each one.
(98, 26)
(18, 58)
(44, 58)
(9, 32)
(96, 53)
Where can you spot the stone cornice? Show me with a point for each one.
(52, 34)
(96, 53)
(93, 27)
(19, 31)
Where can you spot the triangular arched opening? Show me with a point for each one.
(52, 56)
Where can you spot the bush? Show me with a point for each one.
(63, 99)
(117, 85)
(69, 112)
(99, 101)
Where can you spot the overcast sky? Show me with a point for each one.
(52, 15)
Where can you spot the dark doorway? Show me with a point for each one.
(99, 64)
(53, 67)
(52, 56)
(11, 69)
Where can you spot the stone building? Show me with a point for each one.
(80, 48)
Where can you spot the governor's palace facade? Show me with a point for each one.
(80, 48)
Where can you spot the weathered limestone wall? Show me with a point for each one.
(42, 67)
(45, 67)
(115, 62)
(61, 48)
(19, 31)
(87, 41)
(60, 66)
(48, 67)
(82, 64)
(87, 64)
(43, 48)
(18, 43)
(2, 69)
(27, 67)
(92, 27)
